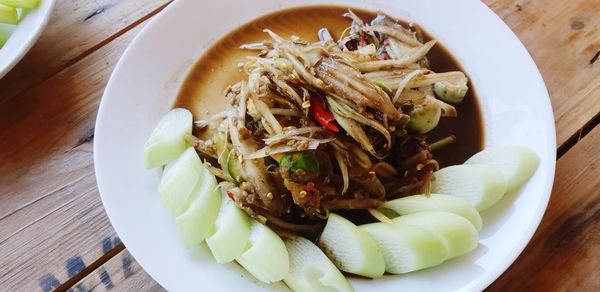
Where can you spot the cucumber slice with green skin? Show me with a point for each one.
(517, 163)
(351, 249)
(21, 3)
(232, 232)
(480, 185)
(457, 233)
(3, 38)
(266, 256)
(311, 270)
(406, 248)
(234, 166)
(8, 15)
(435, 202)
(449, 92)
(424, 118)
(198, 221)
(180, 180)
(167, 141)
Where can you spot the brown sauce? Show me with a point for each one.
(202, 91)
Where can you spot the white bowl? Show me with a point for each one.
(25, 34)
(515, 105)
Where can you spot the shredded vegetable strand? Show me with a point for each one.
(348, 112)
(404, 81)
(293, 132)
(341, 160)
(268, 116)
(412, 56)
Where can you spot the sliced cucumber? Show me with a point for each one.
(233, 166)
(311, 270)
(167, 141)
(266, 256)
(435, 202)
(180, 181)
(517, 163)
(449, 92)
(351, 249)
(232, 232)
(480, 185)
(21, 3)
(3, 37)
(424, 118)
(406, 248)
(198, 221)
(8, 15)
(457, 233)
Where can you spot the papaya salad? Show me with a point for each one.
(338, 124)
(331, 154)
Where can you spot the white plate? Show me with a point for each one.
(24, 36)
(515, 105)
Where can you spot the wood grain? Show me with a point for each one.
(564, 254)
(121, 272)
(52, 223)
(76, 28)
(52, 220)
(562, 37)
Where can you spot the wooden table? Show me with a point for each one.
(54, 233)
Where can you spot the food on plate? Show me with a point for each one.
(433, 202)
(321, 124)
(167, 141)
(480, 185)
(8, 15)
(232, 230)
(324, 151)
(311, 270)
(3, 37)
(11, 13)
(457, 233)
(407, 248)
(517, 163)
(197, 221)
(266, 256)
(179, 181)
(351, 249)
(448, 92)
(29, 4)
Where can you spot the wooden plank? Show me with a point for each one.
(563, 37)
(564, 254)
(76, 28)
(57, 246)
(52, 224)
(121, 272)
(39, 129)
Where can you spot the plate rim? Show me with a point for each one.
(30, 40)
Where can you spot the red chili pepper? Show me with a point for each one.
(362, 40)
(310, 186)
(230, 195)
(321, 113)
